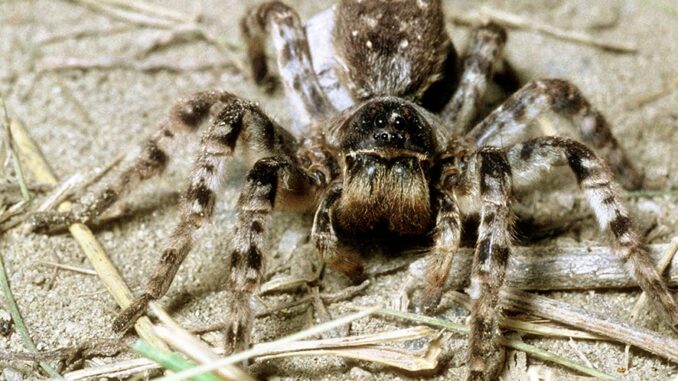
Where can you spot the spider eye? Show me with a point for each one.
(380, 123)
(400, 123)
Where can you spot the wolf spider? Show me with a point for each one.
(369, 155)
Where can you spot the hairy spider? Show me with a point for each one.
(369, 154)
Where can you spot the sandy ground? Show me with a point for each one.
(84, 118)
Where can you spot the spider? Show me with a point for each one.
(370, 153)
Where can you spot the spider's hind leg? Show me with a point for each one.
(185, 116)
(283, 25)
(534, 156)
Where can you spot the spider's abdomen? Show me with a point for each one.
(390, 47)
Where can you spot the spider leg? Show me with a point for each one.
(447, 235)
(484, 55)
(337, 255)
(508, 123)
(302, 88)
(530, 158)
(237, 119)
(487, 185)
(185, 116)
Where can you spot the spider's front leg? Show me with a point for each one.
(333, 252)
(237, 119)
(489, 179)
(534, 156)
(508, 123)
(283, 25)
(185, 116)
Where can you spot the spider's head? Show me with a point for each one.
(387, 147)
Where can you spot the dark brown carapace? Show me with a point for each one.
(369, 152)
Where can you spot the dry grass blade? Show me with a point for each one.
(515, 21)
(281, 343)
(35, 162)
(191, 346)
(118, 370)
(508, 342)
(567, 314)
(426, 359)
(9, 143)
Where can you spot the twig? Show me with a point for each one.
(118, 370)
(77, 183)
(520, 22)
(191, 346)
(143, 7)
(36, 163)
(106, 63)
(508, 342)
(127, 16)
(653, 96)
(262, 348)
(7, 128)
(556, 268)
(567, 314)
(69, 268)
(642, 299)
(581, 356)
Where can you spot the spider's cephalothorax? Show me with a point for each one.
(387, 149)
(367, 155)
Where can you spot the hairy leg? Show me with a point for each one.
(333, 252)
(236, 119)
(534, 156)
(507, 124)
(490, 178)
(483, 55)
(185, 116)
(294, 59)
(447, 235)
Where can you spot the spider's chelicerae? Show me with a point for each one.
(369, 155)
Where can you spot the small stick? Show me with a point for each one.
(143, 7)
(69, 268)
(642, 299)
(519, 22)
(35, 162)
(567, 314)
(262, 348)
(651, 97)
(581, 356)
(127, 16)
(107, 63)
(547, 268)
(118, 370)
(7, 128)
(508, 342)
(183, 341)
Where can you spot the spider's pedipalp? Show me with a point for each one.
(507, 124)
(446, 239)
(337, 255)
(530, 158)
(493, 182)
(236, 120)
(302, 88)
(484, 53)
